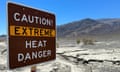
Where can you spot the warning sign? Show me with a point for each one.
(31, 36)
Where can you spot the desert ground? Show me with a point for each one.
(76, 55)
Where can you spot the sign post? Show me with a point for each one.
(33, 69)
(31, 36)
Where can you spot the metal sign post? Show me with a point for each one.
(33, 69)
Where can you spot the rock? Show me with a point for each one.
(59, 67)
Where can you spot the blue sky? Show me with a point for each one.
(67, 10)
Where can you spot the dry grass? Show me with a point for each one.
(88, 41)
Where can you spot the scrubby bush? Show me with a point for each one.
(78, 41)
(57, 45)
(88, 42)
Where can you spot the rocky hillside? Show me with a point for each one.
(89, 27)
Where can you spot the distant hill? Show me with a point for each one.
(89, 26)
(3, 37)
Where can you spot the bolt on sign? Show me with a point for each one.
(31, 36)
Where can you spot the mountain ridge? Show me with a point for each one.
(89, 26)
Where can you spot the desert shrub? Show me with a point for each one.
(78, 41)
(85, 41)
(88, 42)
(57, 45)
(2, 40)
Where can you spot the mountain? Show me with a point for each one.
(89, 26)
(3, 37)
